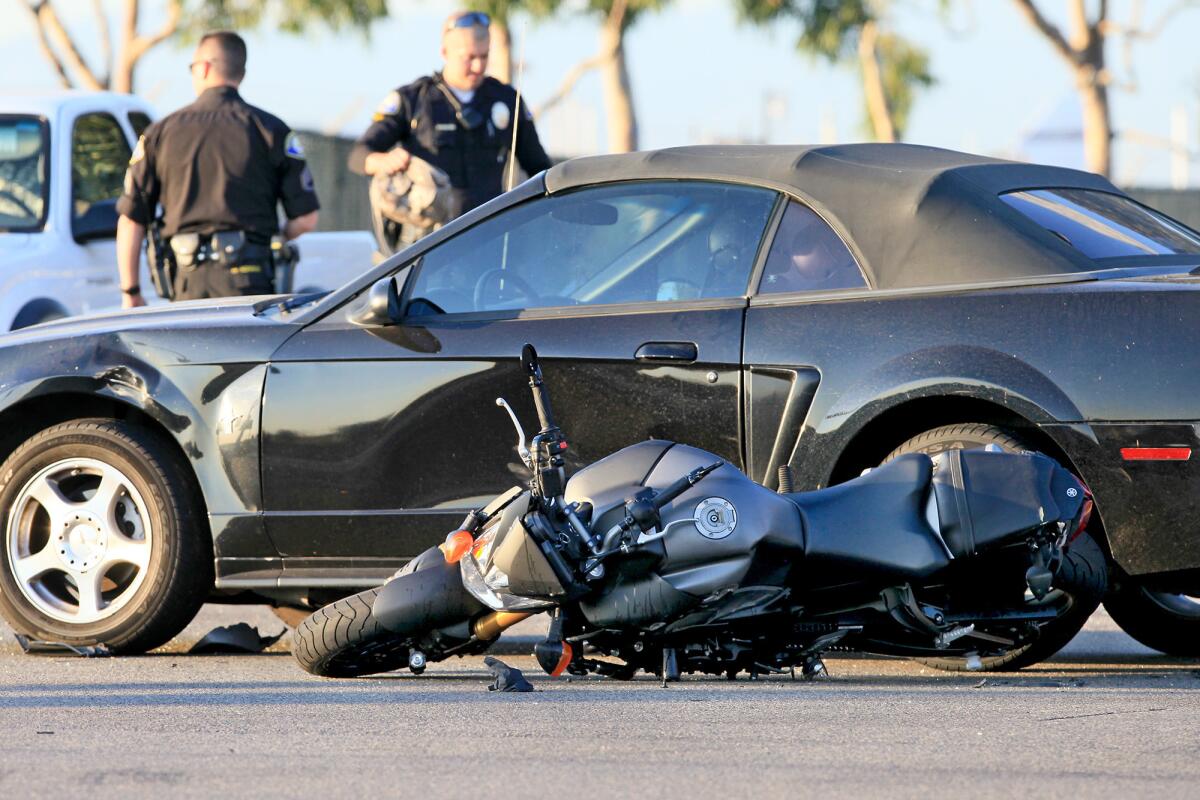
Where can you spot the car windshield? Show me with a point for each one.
(1102, 225)
(22, 174)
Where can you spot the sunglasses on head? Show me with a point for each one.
(470, 20)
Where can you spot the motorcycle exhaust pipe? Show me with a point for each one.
(491, 625)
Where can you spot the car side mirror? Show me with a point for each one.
(98, 222)
(380, 305)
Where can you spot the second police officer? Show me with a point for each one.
(458, 120)
(219, 167)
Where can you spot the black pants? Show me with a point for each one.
(217, 280)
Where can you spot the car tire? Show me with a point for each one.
(1169, 623)
(1084, 570)
(103, 537)
(344, 640)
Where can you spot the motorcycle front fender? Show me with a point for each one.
(431, 596)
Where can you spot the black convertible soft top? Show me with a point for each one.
(915, 216)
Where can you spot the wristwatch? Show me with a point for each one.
(131, 290)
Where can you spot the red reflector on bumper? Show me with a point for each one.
(1156, 453)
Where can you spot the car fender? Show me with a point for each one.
(837, 418)
(217, 434)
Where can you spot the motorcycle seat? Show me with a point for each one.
(875, 525)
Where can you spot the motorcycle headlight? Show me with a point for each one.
(488, 582)
(481, 551)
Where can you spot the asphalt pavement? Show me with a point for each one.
(1105, 718)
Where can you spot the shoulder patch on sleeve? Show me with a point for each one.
(139, 151)
(389, 106)
(292, 147)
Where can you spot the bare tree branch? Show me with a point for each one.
(1049, 30)
(141, 44)
(105, 39)
(47, 50)
(616, 18)
(1135, 30)
(568, 83)
(60, 36)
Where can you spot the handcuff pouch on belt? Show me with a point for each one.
(194, 250)
(190, 251)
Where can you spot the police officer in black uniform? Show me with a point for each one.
(458, 120)
(219, 167)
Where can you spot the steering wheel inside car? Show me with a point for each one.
(18, 202)
(483, 288)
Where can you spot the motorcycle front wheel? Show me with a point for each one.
(344, 640)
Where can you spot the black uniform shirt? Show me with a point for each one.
(218, 164)
(422, 118)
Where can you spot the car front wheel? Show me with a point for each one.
(103, 537)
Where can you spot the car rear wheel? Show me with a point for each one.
(1169, 623)
(1085, 568)
(103, 538)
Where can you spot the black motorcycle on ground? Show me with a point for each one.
(663, 558)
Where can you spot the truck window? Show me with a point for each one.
(23, 165)
(99, 156)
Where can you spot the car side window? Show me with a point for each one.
(99, 155)
(808, 256)
(622, 243)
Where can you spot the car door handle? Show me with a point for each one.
(678, 352)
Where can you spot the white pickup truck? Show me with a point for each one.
(62, 164)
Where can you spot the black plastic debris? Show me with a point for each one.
(508, 679)
(239, 638)
(40, 647)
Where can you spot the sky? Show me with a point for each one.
(700, 76)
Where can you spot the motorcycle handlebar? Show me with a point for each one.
(541, 398)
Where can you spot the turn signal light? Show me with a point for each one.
(1156, 453)
(457, 545)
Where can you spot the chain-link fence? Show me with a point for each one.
(343, 194)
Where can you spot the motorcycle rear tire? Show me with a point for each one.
(1083, 575)
(344, 640)
(1086, 561)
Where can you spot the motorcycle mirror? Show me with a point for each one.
(529, 361)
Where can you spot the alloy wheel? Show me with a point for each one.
(79, 540)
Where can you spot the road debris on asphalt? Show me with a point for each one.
(238, 638)
(508, 679)
(41, 647)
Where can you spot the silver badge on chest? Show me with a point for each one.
(501, 115)
(715, 517)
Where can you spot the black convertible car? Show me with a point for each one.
(823, 307)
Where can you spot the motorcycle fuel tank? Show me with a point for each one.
(710, 533)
